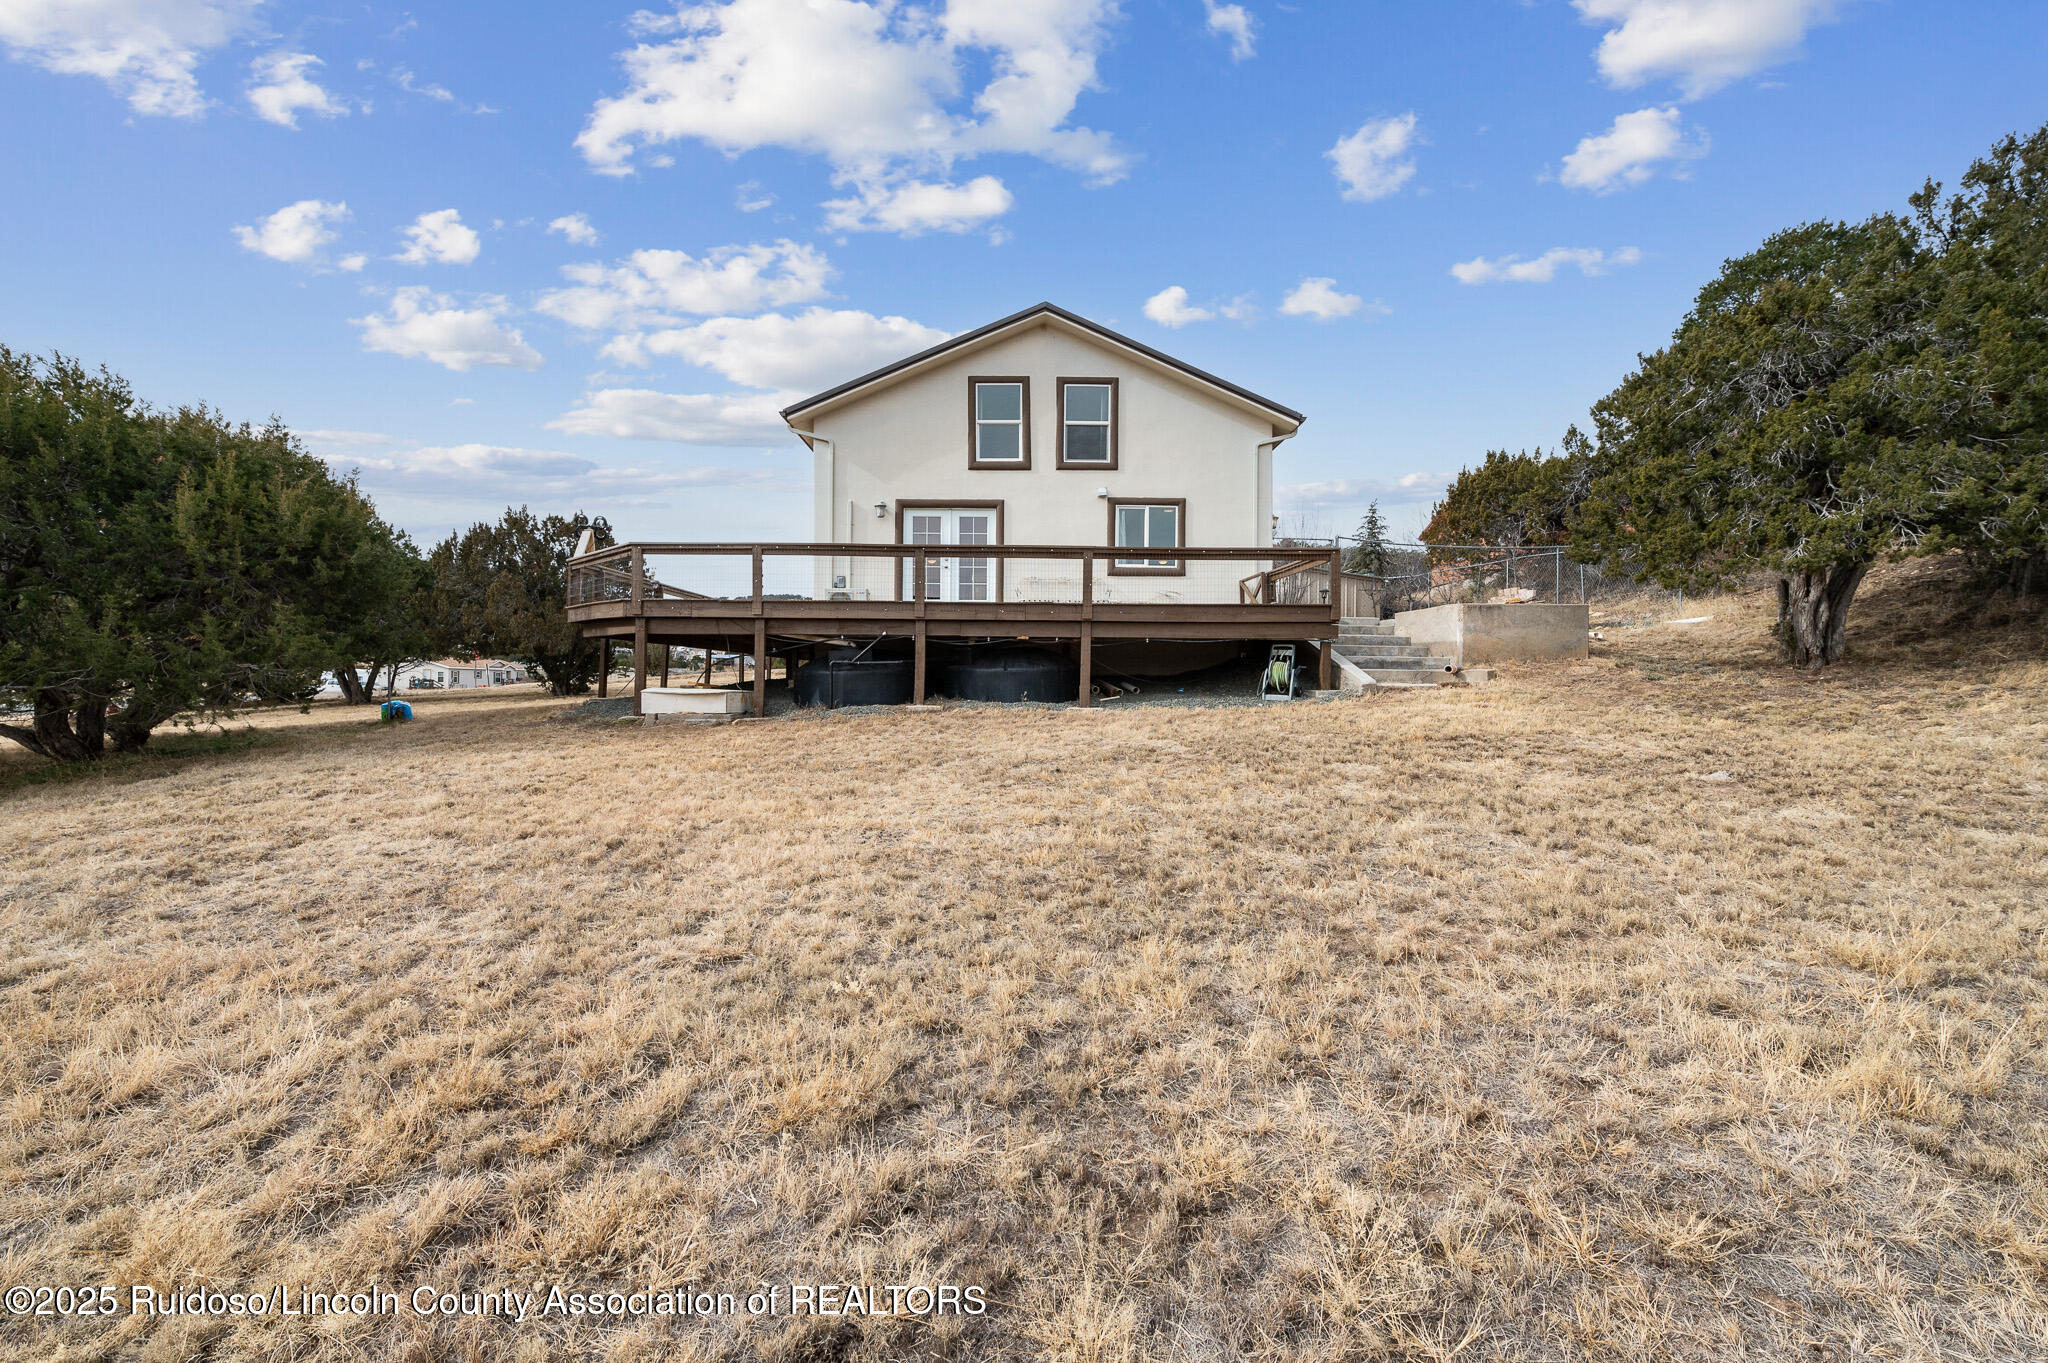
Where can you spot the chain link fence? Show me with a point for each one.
(1417, 576)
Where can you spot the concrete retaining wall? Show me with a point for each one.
(1471, 635)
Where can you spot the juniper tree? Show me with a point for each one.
(1770, 433)
(501, 589)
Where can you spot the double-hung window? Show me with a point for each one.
(999, 423)
(1087, 423)
(1136, 524)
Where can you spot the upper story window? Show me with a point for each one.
(1139, 524)
(1087, 423)
(999, 423)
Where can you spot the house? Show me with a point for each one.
(1039, 480)
(1040, 428)
(458, 674)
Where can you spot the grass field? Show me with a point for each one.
(1670, 1006)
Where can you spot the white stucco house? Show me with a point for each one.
(1040, 428)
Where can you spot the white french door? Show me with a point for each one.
(955, 579)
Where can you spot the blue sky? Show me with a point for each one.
(575, 256)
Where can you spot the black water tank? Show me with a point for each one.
(1013, 674)
(869, 681)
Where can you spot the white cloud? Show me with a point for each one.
(297, 232)
(1170, 308)
(424, 325)
(691, 418)
(1320, 299)
(352, 263)
(1629, 153)
(508, 473)
(1702, 44)
(650, 288)
(439, 236)
(1234, 23)
(1345, 491)
(279, 89)
(751, 197)
(1541, 270)
(576, 229)
(1374, 162)
(913, 207)
(899, 101)
(805, 352)
(404, 79)
(147, 50)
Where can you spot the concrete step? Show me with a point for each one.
(1358, 652)
(1393, 675)
(1346, 636)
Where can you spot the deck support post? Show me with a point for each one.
(1087, 631)
(666, 649)
(604, 667)
(1323, 663)
(760, 668)
(1087, 664)
(639, 661)
(917, 666)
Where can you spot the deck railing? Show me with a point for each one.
(996, 574)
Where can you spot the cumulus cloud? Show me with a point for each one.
(280, 90)
(651, 288)
(1702, 44)
(1234, 23)
(751, 197)
(1544, 268)
(1319, 298)
(424, 325)
(1630, 152)
(911, 88)
(297, 234)
(913, 207)
(1170, 308)
(1374, 161)
(1407, 487)
(439, 237)
(146, 50)
(575, 228)
(804, 352)
(690, 418)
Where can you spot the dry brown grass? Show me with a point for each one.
(1663, 1007)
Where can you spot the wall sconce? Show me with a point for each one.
(881, 510)
(1102, 492)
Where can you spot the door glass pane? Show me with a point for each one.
(974, 578)
(1087, 444)
(1087, 402)
(927, 528)
(998, 401)
(998, 441)
(976, 529)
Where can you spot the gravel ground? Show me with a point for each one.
(1233, 685)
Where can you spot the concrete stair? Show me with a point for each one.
(1388, 658)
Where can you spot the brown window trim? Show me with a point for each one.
(1023, 435)
(967, 503)
(1115, 419)
(1180, 567)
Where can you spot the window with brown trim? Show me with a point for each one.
(1088, 422)
(1142, 523)
(998, 423)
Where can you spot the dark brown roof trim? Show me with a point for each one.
(1054, 309)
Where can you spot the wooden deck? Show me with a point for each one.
(1083, 596)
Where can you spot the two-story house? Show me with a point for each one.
(1041, 428)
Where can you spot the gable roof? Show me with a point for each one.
(1031, 314)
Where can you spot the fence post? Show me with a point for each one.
(757, 579)
(639, 576)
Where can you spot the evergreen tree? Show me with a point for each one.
(159, 563)
(1370, 555)
(502, 590)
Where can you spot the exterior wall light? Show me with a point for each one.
(881, 510)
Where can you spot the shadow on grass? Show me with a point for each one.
(163, 755)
